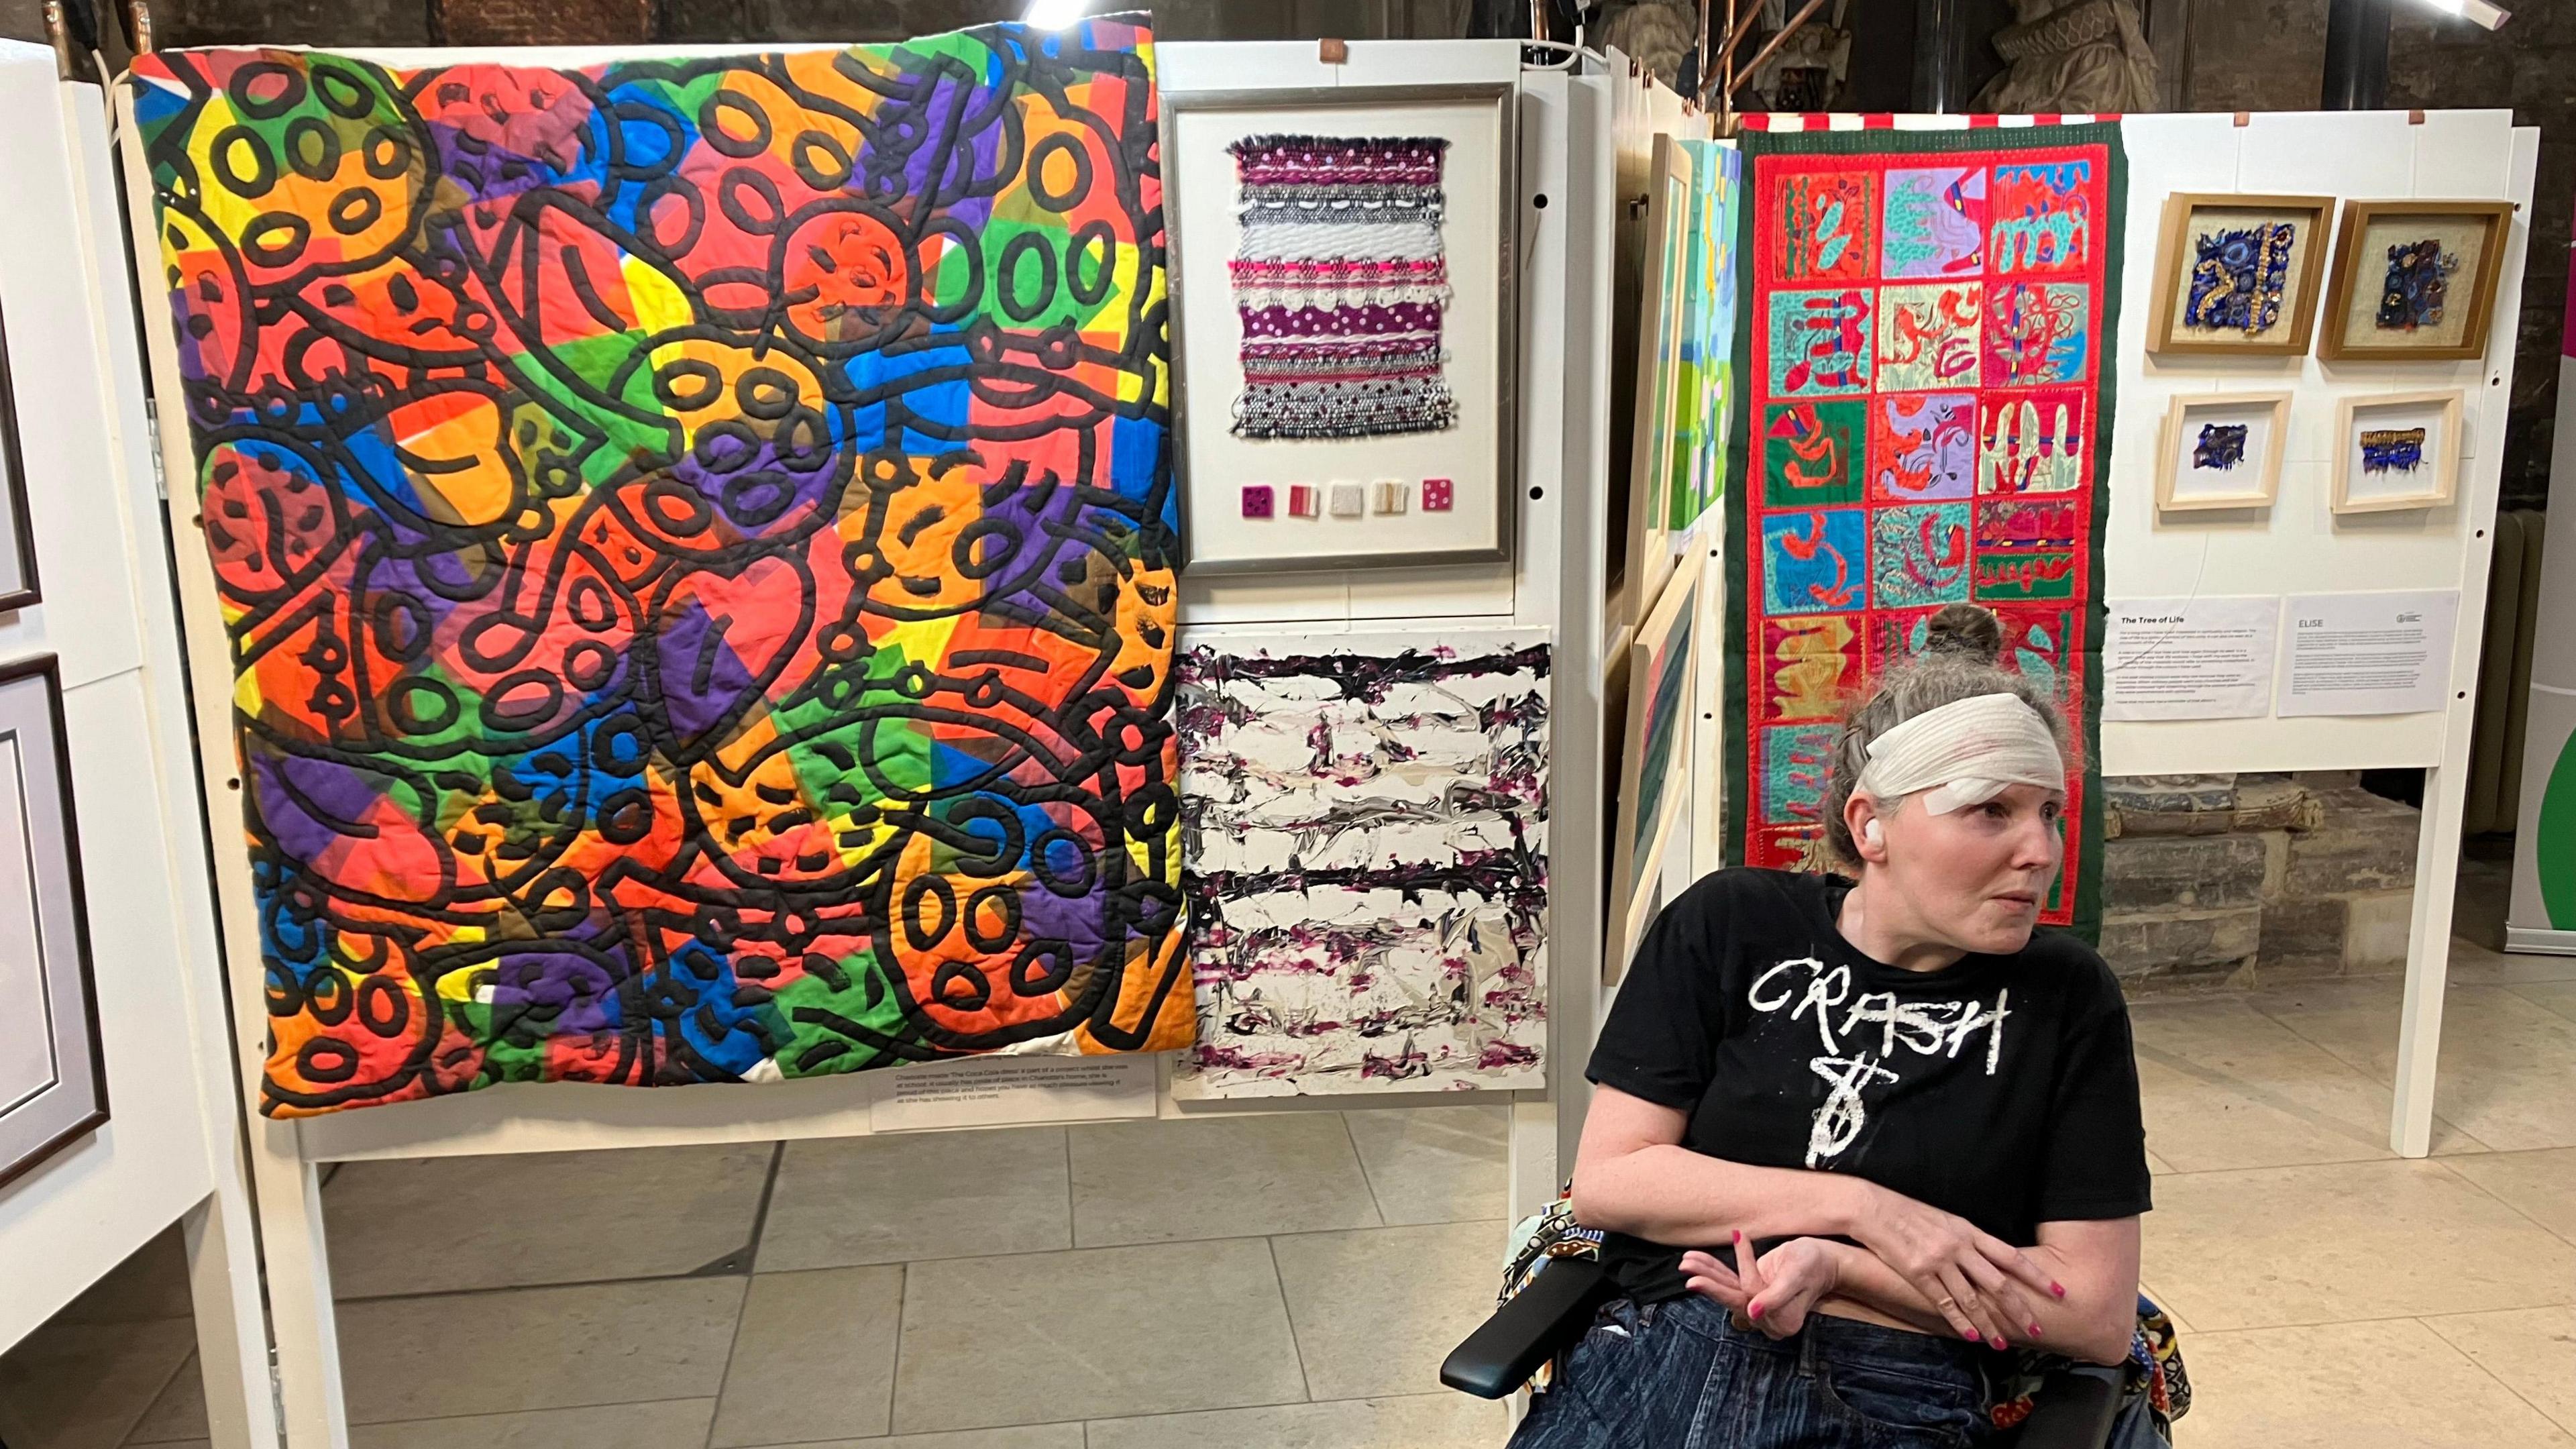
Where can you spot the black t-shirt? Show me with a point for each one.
(2001, 1088)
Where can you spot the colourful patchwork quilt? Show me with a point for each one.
(696, 538)
(1928, 360)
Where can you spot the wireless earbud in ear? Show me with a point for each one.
(1870, 832)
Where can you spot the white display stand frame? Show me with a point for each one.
(170, 1150)
(1553, 584)
(2298, 544)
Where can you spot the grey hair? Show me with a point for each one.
(1961, 646)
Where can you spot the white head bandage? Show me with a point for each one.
(1964, 753)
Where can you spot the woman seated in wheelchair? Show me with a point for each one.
(1852, 1139)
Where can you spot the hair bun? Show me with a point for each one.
(1964, 631)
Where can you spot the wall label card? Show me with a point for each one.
(2167, 659)
(2368, 653)
(998, 1090)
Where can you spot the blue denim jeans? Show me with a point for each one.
(1678, 1375)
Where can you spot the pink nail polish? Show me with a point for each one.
(2057, 1288)
(2035, 1333)
(1754, 1312)
(1996, 1342)
(1971, 1335)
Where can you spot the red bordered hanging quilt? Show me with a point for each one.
(1929, 347)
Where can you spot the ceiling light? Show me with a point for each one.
(1055, 14)
(2479, 12)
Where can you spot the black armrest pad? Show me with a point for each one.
(1547, 1316)
(2074, 1410)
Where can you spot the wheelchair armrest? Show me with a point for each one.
(1544, 1319)
(2073, 1410)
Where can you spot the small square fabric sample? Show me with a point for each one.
(1348, 500)
(1391, 495)
(1256, 500)
(1437, 494)
(1305, 500)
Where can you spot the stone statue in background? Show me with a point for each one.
(1654, 33)
(2072, 55)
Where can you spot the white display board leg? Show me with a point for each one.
(1533, 1160)
(232, 1333)
(2428, 949)
(301, 1318)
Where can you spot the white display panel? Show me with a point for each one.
(169, 1154)
(2299, 544)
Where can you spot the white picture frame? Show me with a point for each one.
(1658, 679)
(2365, 481)
(53, 1069)
(2198, 468)
(1458, 481)
(1647, 550)
(17, 535)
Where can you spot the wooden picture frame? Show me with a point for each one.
(1655, 731)
(18, 547)
(53, 1067)
(2178, 452)
(2358, 297)
(2292, 332)
(2436, 413)
(1647, 551)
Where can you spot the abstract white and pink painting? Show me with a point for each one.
(1364, 826)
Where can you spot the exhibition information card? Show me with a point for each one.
(2368, 653)
(2169, 659)
(996, 1091)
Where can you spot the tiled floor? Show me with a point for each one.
(1293, 1280)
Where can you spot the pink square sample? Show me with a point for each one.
(1305, 500)
(1256, 500)
(1436, 493)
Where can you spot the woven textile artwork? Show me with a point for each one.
(2392, 450)
(2238, 276)
(697, 541)
(1340, 282)
(1367, 839)
(2417, 287)
(1927, 369)
(2221, 446)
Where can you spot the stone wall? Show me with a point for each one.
(2221, 881)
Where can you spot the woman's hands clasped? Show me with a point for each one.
(1986, 1289)
(1984, 1286)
